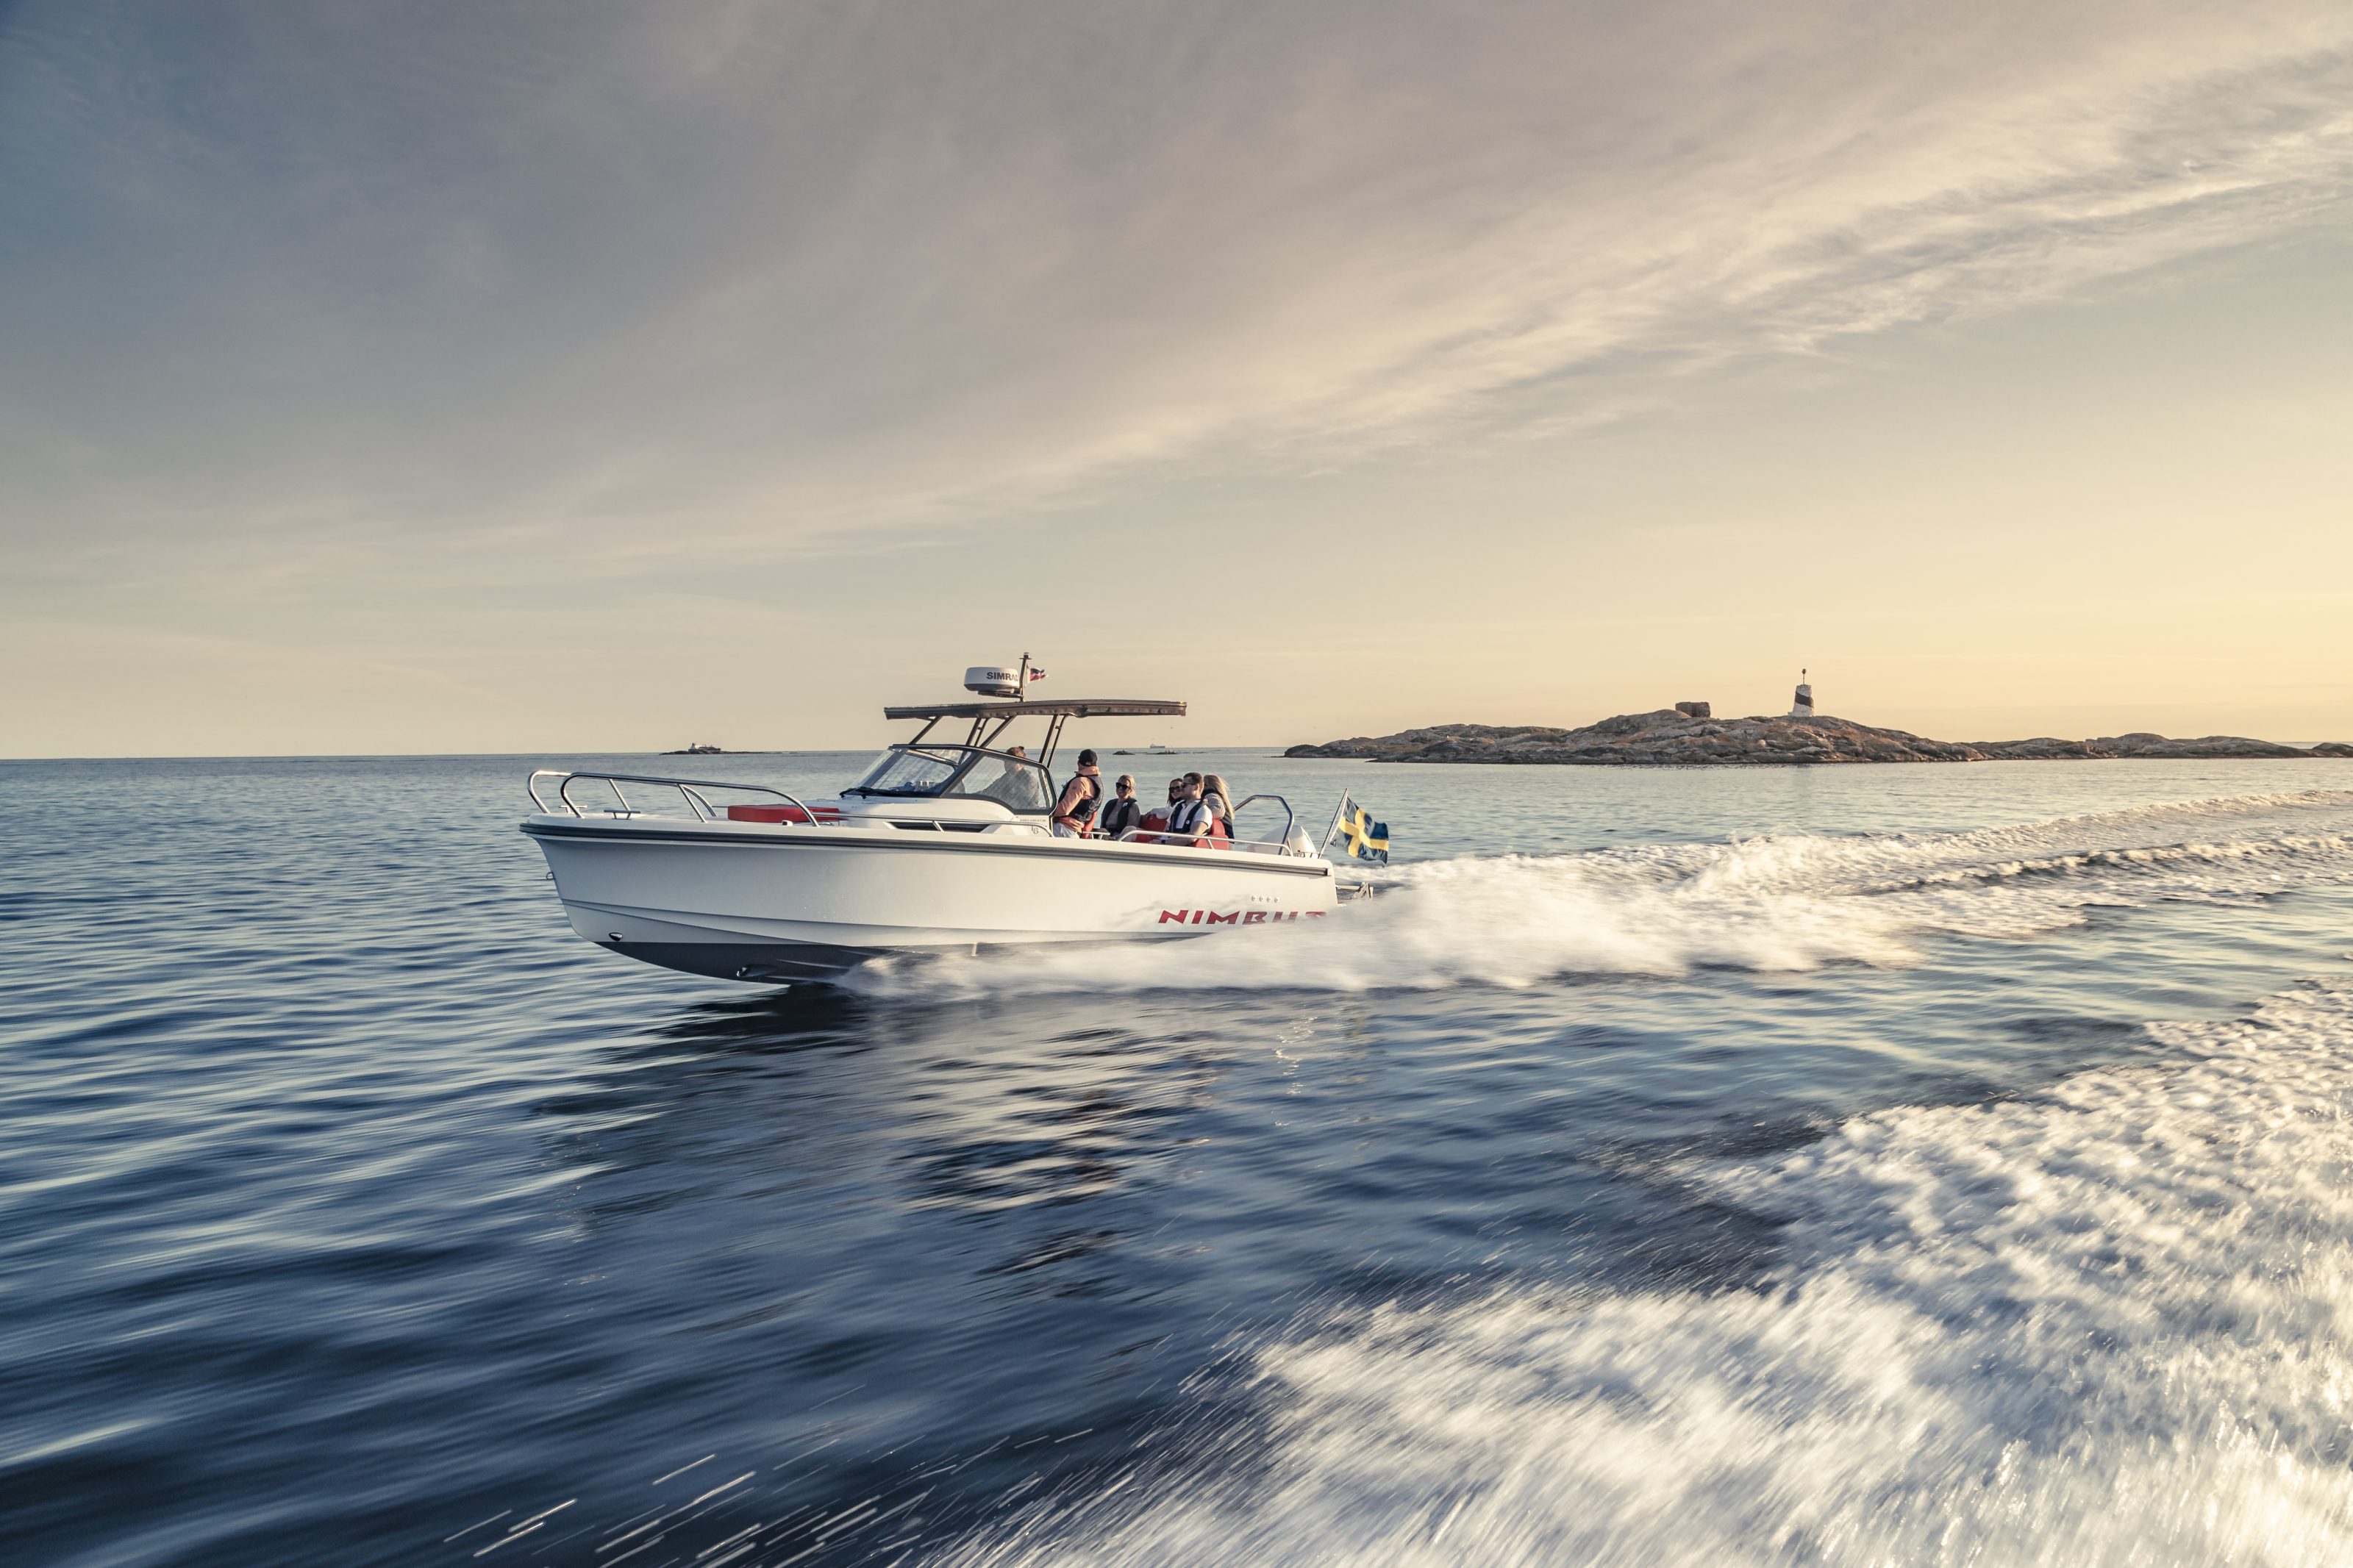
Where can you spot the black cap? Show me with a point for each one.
(1087, 758)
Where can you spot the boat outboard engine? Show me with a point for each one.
(992, 681)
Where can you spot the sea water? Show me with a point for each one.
(1935, 1165)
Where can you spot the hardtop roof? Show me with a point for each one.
(1072, 708)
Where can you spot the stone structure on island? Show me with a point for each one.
(1803, 705)
(1676, 735)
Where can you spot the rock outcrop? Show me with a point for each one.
(2139, 744)
(1665, 736)
(1670, 736)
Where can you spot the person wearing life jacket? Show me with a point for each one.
(1153, 827)
(1189, 819)
(1075, 813)
(1221, 811)
(1123, 810)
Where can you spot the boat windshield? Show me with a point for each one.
(1017, 781)
(953, 770)
(898, 772)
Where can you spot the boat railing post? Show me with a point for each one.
(1290, 818)
(531, 787)
(807, 814)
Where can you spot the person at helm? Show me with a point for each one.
(1020, 783)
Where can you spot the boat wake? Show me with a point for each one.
(1790, 902)
(2111, 1324)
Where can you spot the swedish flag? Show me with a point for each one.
(1363, 838)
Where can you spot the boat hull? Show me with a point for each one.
(781, 902)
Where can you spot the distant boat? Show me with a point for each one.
(1154, 750)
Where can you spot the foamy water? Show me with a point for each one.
(1766, 904)
(2110, 1324)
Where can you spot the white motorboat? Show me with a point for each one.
(942, 846)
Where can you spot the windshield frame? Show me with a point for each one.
(963, 761)
(891, 757)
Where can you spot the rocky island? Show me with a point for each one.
(1689, 734)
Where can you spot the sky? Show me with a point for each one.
(566, 376)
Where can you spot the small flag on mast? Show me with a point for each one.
(1360, 837)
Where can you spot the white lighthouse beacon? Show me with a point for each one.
(1803, 706)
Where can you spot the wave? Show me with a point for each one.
(2112, 1324)
(1778, 903)
(2097, 862)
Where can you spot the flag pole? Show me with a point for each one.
(1338, 812)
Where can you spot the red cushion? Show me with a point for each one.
(773, 813)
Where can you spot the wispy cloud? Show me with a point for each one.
(773, 273)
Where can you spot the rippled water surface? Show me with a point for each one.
(1840, 1166)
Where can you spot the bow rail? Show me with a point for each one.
(690, 791)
